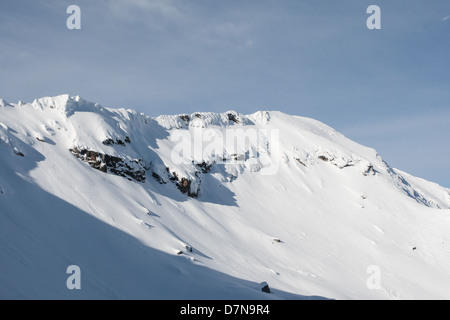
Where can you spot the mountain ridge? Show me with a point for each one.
(336, 206)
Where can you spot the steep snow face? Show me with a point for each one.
(208, 206)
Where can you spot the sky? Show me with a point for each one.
(388, 89)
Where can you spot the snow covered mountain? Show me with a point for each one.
(178, 207)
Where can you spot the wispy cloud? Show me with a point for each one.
(175, 17)
(146, 10)
(446, 18)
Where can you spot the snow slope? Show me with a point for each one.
(301, 207)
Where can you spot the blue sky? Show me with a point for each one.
(388, 89)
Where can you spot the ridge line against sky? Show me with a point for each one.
(386, 89)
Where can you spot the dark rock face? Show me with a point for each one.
(300, 161)
(136, 170)
(183, 184)
(158, 178)
(265, 287)
(132, 170)
(370, 171)
(204, 167)
(233, 117)
(185, 118)
(110, 142)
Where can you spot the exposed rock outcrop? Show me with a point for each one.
(120, 142)
(132, 170)
(265, 287)
(185, 185)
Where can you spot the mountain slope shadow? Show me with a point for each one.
(42, 235)
(211, 191)
(155, 181)
(45, 235)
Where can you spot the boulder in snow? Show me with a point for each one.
(264, 286)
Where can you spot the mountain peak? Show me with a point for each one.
(4, 103)
(66, 104)
(225, 198)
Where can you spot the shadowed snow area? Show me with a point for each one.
(297, 205)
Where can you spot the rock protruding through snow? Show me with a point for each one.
(105, 163)
(264, 286)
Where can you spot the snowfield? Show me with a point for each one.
(310, 212)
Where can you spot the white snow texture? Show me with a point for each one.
(145, 227)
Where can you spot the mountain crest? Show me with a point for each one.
(208, 205)
(66, 104)
(187, 150)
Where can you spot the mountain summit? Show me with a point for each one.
(208, 206)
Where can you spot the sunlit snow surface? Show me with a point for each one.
(332, 210)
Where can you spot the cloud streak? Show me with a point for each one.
(126, 9)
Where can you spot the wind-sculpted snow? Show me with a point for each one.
(208, 205)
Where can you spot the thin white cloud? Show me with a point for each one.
(188, 22)
(151, 9)
(446, 18)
